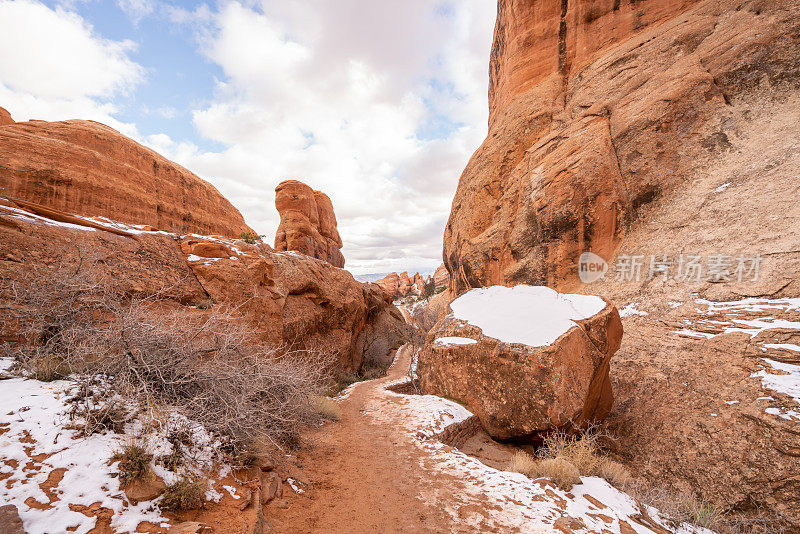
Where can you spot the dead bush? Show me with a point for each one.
(134, 462)
(328, 408)
(583, 451)
(206, 366)
(185, 494)
(563, 473)
(46, 367)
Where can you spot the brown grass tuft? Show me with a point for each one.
(185, 494)
(562, 472)
(134, 462)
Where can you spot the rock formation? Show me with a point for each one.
(402, 285)
(441, 278)
(390, 285)
(89, 169)
(308, 223)
(5, 117)
(291, 298)
(525, 360)
(596, 109)
(287, 299)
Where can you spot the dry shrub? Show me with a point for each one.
(584, 452)
(47, 367)
(134, 462)
(206, 366)
(524, 463)
(560, 471)
(328, 408)
(563, 473)
(678, 507)
(185, 494)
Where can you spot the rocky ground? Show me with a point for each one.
(57, 480)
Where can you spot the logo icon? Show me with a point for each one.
(591, 268)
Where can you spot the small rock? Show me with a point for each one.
(568, 525)
(190, 527)
(283, 504)
(10, 523)
(144, 490)
(267, 465)
(248, 498)
(271, 486)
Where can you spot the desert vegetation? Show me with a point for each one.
(132, 355)
(565, 457)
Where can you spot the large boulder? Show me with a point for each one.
(308, 223)
(525, 360)
(598, 108)
(87, 168)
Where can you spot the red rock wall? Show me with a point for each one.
(598, 108)
(89, 169)
(285, 299)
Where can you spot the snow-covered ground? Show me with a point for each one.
(37, 445)
(758, 318)
(631, 309)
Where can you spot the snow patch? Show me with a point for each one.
(787, 383)
(723, 187)
(532, 315)
(631, 310)
(448, 341)
(36, 411)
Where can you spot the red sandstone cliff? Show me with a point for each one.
(90, 169)
(597, 108)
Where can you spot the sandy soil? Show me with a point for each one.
(347, 489)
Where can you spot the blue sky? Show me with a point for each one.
(177, 77)
(380, 108)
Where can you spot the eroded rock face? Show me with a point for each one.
(441, 278)
(87, 168)
(291, 298)
(5, 117)
(308, 223)
(401, 285)
(287, 299)
(525, 360)
(596, 109)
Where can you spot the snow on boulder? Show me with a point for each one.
(538, 359)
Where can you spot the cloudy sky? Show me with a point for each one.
(378, 103)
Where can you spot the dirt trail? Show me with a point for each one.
(364, 475)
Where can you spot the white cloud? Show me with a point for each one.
(348, 96)
(137, 9)
(60, 68)
(378, 105)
